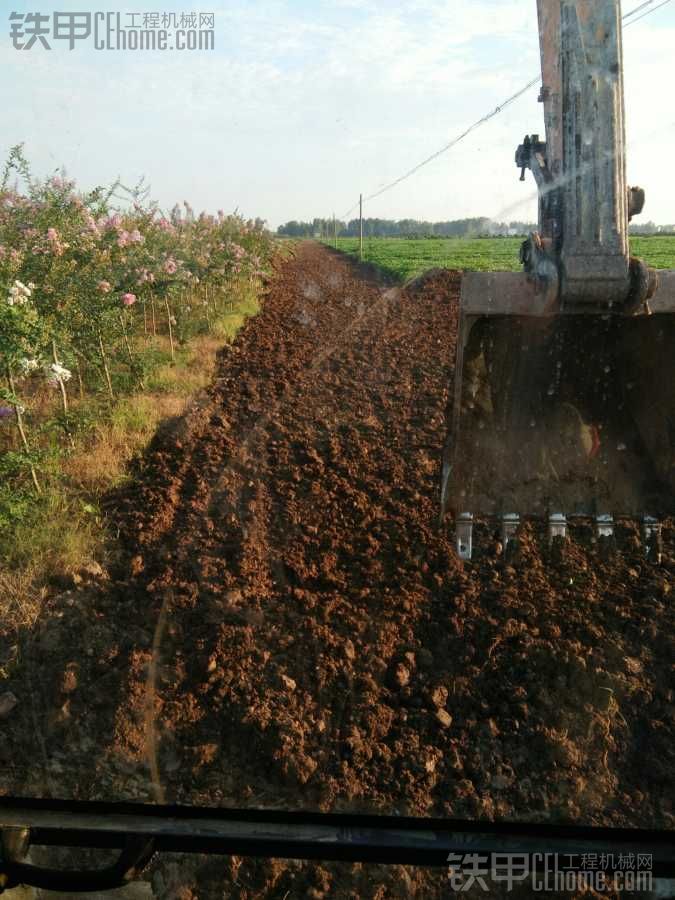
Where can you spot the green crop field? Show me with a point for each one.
(405, 258)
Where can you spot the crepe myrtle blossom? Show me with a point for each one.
(27, 365)
(92, 224)
(170, 266)
(128, 299)
(19, 293)
(136, 237)
(58, 374)
(55, 243)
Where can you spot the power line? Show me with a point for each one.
(638, 8)
(649, 12)
(495, 112)
(349, 211)
(456, 140)
(451, 144)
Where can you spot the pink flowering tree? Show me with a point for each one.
(89, 281)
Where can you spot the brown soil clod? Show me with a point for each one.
(292, 627)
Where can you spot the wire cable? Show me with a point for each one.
(649, 12)
(455, 141)
(638, 8)
(495, 112)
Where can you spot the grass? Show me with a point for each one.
(45, 539)
(406, 259)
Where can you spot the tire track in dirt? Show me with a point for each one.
(326, 488)
(323, 646)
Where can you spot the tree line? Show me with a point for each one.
(372, 227)
(324, 229)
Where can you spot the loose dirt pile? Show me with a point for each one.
(291, 626)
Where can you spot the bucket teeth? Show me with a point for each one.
(653, 539)
(557, 526)
(465, 535)
(604, 526)
(510, 523)
(604, 533)
(558, 532)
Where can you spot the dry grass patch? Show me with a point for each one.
(62, 531)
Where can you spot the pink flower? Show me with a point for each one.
(128, 299)
(104, 287)
(123, 239)
(170, 266)
(56, 247)
(136, 237)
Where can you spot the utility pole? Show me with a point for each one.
(335, 230)
(360, 227)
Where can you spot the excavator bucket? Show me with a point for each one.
(564, 398)
(560, 414)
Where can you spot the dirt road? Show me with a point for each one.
(289, 626)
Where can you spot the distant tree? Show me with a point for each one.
(372, 227)
(646, 228)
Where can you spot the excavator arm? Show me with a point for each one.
(563, 400)
(585, 204)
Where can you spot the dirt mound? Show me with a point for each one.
(294, 628)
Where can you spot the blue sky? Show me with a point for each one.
(304, 104)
